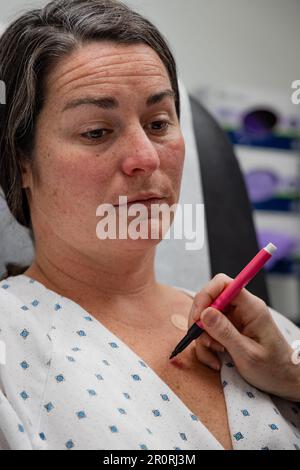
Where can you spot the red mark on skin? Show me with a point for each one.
(177, 363)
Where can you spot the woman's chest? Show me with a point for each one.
(197, 386)
(96, 386)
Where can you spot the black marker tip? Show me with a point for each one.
(193, 333)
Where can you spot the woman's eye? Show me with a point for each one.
(95, 134)
(160, 126)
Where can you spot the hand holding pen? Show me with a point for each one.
(248, 333)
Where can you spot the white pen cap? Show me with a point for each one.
(270, 248)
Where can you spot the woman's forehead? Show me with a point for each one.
(108, 65)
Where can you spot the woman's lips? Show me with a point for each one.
(147, 203)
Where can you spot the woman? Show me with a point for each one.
(93, 113)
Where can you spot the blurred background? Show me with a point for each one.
(240, 58)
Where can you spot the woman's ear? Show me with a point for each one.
(26, 174)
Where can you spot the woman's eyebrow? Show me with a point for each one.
(108, 102)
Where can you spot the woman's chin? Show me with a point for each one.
(148, 233)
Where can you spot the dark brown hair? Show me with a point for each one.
(34, 43)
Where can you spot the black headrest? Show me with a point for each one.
(231, 232)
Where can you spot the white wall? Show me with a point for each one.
(231, 42)
(221, 42)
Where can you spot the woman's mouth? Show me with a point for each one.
(145, 202)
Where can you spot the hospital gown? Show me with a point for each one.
(69, 383)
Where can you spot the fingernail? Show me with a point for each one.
(215, 367)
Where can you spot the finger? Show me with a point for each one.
(209, 343)
(204, 340)
(243, 309)
(208, 358)
(209, 293)
(216, 346)
(222, 330)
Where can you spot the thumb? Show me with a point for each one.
(221, 329)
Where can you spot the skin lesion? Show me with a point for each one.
(178, 363)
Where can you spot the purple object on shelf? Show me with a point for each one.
(285, 245)
(260, 122)
(261, 185)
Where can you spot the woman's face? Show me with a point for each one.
(90, 154)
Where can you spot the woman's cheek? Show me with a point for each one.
(174, 157)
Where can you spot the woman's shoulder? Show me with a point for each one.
(8, 293)
(12, 309)
(20, 300)
(21, 289)
(13, 286)
(289, 329)
(25, 318)
(188, 292)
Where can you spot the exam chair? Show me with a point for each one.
(211, 177)
(229, 218)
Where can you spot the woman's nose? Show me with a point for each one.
(141, 155)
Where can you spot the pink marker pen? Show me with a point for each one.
(228, 294)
